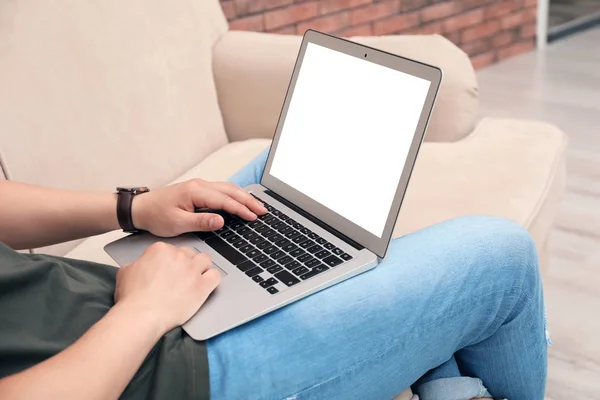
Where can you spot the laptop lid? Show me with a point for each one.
(348, 135)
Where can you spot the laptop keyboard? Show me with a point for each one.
(274, 249)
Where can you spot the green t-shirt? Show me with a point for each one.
(47, 303)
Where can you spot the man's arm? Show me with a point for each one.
(159, 291)
(32, 216)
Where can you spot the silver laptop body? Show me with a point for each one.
(345, 145)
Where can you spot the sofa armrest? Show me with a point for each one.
(252, 72)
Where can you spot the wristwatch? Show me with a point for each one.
(125, 197)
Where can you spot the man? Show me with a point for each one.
(462, 300)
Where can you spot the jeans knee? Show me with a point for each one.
(506, 250)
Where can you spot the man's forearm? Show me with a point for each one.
(96, 367)
(32, 216)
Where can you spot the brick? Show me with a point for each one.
(358, 30)
(229, 9)
(328, 24)
(466, 5)
(518, 18)
(373, 12)
(409, 5)
(483, 60)
(464, 20)
(396, 24)
(253, 23)
(483, 30)
(427, 29)
(476, 47)
(286, 30)
(439, 11)
(530, 3)
(291, 15)
(502, 8)
(244, 7)
(454, 37)
(329, 6)
(516, 49)
(528, 31)
(503, 38)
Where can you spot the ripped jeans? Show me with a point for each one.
(463, 297)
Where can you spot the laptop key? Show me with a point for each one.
(262, 228)
(289, 247)
(285, 229)
(298, 225)
(250, 235)
(292, 265)
(226, 233)
(276, 212)
(308, 243)
(224, 249)
(314, 249)
(292, 234)
(277, 254)
(283, 217)
(269, 232)
(269, 282)
(278, 224)
(203, 235)
(312, 263)
(253, 253)
(233, 238)
(273, 221)
(275, 238)
(305, 257)
(254, 271)
(282, 242)
(315, 271)
(257, 239)
(236, 225)
(274, 269)
(243, 230)
(267, 263)
(290, 221)
(287, 278)
(271, 249)
(272, 290)
(338, 251)
(263, 245)
(306, 231)
(297, 252)
(329, 246)
(299, 239)
(346, 257)
(310, 260)
(246, 248)
(313, 235)
(320, 240)
(246, 265)
(322, 254)
(300, 271)
(285, 259)
(260, 258)
(255, 224)
(332, 261)
(239, 243)
(257, 278)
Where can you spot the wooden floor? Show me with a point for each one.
(561, 85)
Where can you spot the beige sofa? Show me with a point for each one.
(99, 93)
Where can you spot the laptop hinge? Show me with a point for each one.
(315, 220)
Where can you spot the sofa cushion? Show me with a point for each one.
(506, 168)
(99, 93)
(219, 166)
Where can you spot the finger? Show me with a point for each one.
(221, 201)
(202, 262)
(208, 283)
(199, 222)
(241, 196)
(191, 253)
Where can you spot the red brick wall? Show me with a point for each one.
(487, 30)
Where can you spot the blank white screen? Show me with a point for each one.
(347, 134)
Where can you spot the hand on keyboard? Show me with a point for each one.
(170, 211)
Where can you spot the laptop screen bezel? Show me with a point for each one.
(377, 245)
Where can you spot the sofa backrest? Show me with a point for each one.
(95, 93)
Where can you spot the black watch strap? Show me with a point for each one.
(124, 202)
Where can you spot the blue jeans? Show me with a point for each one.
(460, 298)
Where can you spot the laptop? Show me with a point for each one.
(344, 148)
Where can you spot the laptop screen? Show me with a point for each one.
(347, 134)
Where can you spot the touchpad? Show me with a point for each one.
(215, 266)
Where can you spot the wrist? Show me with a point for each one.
(142, 317)
(138, 213)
